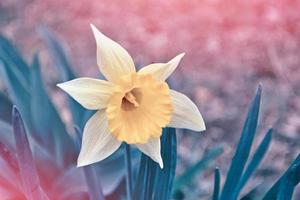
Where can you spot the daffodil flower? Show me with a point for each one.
(132, 106)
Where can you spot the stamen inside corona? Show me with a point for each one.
(129, 97)
(139, 108)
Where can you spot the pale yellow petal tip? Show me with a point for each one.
(181, 55)
(83, 162)
(202, 126)
(177, 58)
(159, 161)
(161, 164)
(60, 85)
(93, 27)
(96, 32)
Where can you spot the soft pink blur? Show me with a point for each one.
(230, 47)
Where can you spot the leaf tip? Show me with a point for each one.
(15, 112)
(259, 89)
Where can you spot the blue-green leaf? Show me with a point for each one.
(17, 91)
(5, 108)
(29, 177)
(6, 135)
(165, 177)
(257, 158)
(44, 159)
(47, 121)
(243, 149)
(10, 55)
(217, 184)
(153, 182)
(286, 183)
(66, 73)
(58, 54)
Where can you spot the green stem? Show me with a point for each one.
(129, 183)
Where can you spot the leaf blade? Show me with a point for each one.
(64, 68)
(152, 182)
(257, 158)
(29, 176)
(48, 122)
(217, 184)
(243, 149)
(277, 187)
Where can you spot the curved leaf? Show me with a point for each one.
(47, 121)
(64, 68)
(29, 177)
(5, 108)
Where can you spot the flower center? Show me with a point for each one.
(130, 101)
(139, 108)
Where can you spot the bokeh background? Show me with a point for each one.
(231, 47)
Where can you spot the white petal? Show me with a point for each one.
(90, 93)
(152, 149)
(186, 114)
(161, 71)
(113, 60)
(97, 142)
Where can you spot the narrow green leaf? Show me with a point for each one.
(64, 68)
(257, 158)
(10, 55)
(17, 91)
(128, 174)
(217, 184)
(6, 135)
(151, 168)
(286, 182)
(165, 177)
(29, 176)
(58, 53)
(250, 196)
(146, 179)
(201, 165)
(44, 159)
(243, 149)
(141, 180)
(5, 108)
(152, 182)
(47, 121)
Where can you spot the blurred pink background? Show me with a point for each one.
(230, 47)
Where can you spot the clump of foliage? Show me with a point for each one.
(38, 154)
